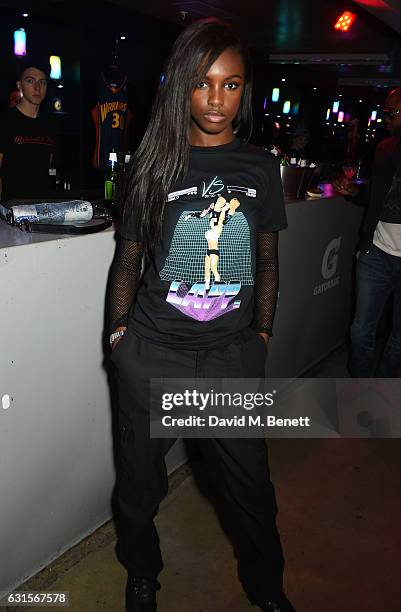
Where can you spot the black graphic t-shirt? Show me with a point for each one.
(199, 291)
(26, 144)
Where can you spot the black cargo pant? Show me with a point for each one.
(237, 467)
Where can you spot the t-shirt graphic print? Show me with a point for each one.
(198, 291)
(209, 259)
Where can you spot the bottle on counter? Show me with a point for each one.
(127, 159)
(58, 213)
(120, 164)
(359, 170)
(54, 178)
(110, 182)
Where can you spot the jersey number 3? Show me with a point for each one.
(118, 121)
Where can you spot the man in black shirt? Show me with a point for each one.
(27, 140)
(379, 262)
(299, 144)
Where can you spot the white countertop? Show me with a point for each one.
(12, 236)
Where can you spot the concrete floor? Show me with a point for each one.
(339, 518)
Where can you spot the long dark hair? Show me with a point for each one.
(162, 157)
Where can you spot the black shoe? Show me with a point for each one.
(279, 604)
(140, 594)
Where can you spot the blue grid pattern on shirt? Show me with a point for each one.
(186, 259)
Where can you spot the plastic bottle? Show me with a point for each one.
(127, 159)
(53, 182)
(110, 182)
(58, 213)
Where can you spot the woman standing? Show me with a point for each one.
(169, 324)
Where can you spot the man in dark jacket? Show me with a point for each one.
(379, 263)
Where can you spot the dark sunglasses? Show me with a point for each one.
(391, 113)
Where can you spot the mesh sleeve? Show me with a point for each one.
(124, 280)
(266, 282)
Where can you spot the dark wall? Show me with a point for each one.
(86, 44)
(85, 40)
(315, 89)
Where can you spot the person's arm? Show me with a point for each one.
(124, 281)
(345, 187)
(359, 194)
(266, 283)
(206, 211)
(198, 214)
(192, 215)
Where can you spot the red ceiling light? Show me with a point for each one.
(345, 21)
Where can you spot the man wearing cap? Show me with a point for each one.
(27, 139)
(299, 143)
(378, 271)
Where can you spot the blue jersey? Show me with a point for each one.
(111, 117)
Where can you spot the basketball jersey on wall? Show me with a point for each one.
(112, 117)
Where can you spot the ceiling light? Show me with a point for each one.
(55, 64)
(345, 21)
(20, 42)
(323, 59)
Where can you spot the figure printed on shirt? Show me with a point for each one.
(209, 259)
(219, 213)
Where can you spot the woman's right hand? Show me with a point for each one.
(345, 187)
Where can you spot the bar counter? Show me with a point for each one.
(56, 448)
(316, 255)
